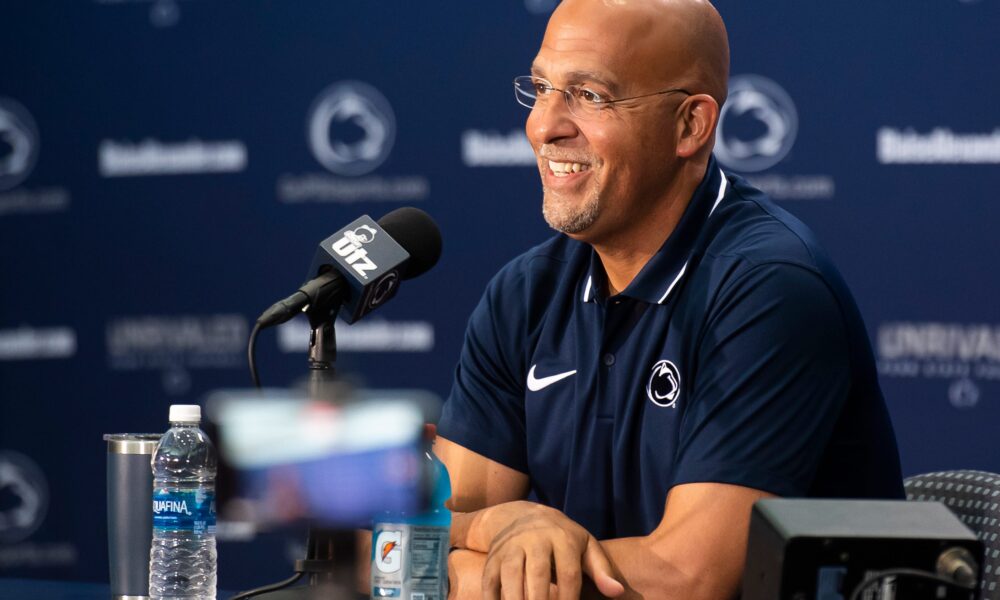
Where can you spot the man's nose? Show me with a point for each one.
(551, 121)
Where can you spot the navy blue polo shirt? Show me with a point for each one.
(736, 355)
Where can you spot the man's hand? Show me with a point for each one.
(695, 553)
(531, 546)
(465, 574)
(490, 518)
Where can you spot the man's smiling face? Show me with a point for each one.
(600, 173)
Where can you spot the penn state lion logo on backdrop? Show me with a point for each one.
(351, 128)
(664, 387)
(757, 125)
(24, 497)
(18, 143)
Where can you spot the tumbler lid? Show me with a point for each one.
(185, 413)
(131, 443)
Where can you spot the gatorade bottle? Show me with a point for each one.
(410, 552)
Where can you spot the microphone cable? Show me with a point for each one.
(268, 588)
(250, 355)
(878, 576)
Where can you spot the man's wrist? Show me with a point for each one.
(461, 524)
(465, 572)
(475, 530)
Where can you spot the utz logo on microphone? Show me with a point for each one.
(351, 248)
(664, 387)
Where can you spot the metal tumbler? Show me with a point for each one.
(130, 512)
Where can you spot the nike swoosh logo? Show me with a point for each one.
(539, 384)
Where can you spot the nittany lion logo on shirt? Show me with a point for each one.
(664, 385)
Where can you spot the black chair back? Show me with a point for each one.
(974, 496)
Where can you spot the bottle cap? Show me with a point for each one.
(185, 413)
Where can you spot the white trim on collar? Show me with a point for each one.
(680, 274)
(723, 186)
(722, 192)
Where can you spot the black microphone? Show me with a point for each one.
(358, 268)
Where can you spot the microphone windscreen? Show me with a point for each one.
(418, 234)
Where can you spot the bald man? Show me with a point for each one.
(682, 348)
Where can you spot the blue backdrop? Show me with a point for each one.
(167, 168)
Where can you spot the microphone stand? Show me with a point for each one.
(330, 553)
(322, 355)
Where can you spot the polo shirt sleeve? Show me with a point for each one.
(773, 374)
(485, 410)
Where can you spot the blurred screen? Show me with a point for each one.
(333, 463)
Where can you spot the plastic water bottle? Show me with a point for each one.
(182, 562)
(410, 552)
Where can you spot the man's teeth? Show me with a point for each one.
(562, 169)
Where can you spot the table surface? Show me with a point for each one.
(53, 590)
(34, 589)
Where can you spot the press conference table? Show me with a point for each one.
(25, 589)
(34, 589)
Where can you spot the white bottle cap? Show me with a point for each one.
(185, 413)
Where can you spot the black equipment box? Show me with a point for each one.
(805, 549)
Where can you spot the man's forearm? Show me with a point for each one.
(647, 573)
(661, 565)
(644, 575)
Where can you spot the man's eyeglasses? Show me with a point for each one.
(583, 102)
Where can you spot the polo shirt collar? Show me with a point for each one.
(666, 268)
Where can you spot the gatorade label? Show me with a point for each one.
(188, 511)
(409, 562)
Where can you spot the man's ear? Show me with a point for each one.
(696, 121)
